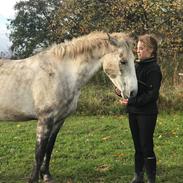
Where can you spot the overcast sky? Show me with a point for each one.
(7, 8)
(6, 12)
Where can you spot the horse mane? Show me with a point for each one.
(4, 61)
(84, 44)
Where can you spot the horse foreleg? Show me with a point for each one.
(44, 172)
(44, 128)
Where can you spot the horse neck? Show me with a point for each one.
(89, 64)
(86, 71)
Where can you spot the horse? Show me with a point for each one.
(46, 86)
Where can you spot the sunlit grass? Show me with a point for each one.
(91, 149)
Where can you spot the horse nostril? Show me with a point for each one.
(126, 97)
(133, 93)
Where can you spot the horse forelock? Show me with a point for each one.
(84, 44)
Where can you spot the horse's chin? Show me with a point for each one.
(125, 96)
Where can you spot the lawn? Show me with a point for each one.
(91, 149)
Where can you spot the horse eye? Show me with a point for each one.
(123, 62)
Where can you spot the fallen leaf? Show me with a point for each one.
(106, 138)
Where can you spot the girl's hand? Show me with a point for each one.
(123, 101)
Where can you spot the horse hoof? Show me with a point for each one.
(47, 179)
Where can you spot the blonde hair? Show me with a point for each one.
(150, 41)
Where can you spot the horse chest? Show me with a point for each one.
(67, 106)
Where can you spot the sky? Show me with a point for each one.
(6, 12)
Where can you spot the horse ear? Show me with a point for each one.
(133, 35)
(127, 42)
(131, 40)
(112, 40)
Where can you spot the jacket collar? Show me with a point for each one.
(149, 60)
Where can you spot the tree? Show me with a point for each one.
(40, 23)
(77, 17)
(31, 30)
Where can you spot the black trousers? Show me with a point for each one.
(142, 129)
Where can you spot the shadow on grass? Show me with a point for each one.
(117, 174)
(8, 178)
(170, 174)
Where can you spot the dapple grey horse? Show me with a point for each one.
(47, 85)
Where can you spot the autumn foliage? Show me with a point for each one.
(40, 23)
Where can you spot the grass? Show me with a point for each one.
(91, 149)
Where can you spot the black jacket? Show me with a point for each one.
(149, 81)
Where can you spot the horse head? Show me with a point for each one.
(119, 65)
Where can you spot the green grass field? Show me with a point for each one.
(91, 149)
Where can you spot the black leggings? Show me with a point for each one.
(142, 129)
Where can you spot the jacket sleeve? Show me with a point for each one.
(154, 78)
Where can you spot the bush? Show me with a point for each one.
(99, 100)
(171, 99)
(96, 99)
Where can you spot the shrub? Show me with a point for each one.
(101, 100)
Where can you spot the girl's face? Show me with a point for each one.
(143, 52)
